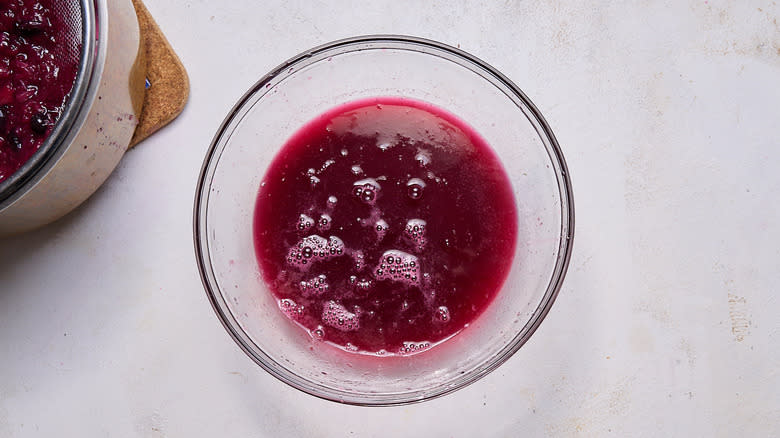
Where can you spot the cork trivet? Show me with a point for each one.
(167, 84)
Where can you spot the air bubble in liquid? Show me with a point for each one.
(323, 224)
(290, 308)
(415, 188)
(423, 158)
(415, 233)
(368, 196)
(313, 248)
(314, 286)
(381, 229)
(399, 266)
(413, 347)
(337, 316)
(360, 260)
(305, 223)
(366, 190)
(326, 164)
(363, 285)
(443, 314)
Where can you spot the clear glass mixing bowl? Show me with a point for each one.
(316, 81)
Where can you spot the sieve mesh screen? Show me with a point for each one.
(43, 61)
(69, 34)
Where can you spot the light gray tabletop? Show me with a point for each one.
(667, 324)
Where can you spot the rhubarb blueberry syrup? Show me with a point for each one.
(34, 81)
(385, 226)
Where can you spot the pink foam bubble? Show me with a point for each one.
(324, 222)
(415, 233)
(366, 190)
(360, 260)
(415, 188)
(318, 333)
(361, 285)
(413, 347)
(313, 248)
(381, 229)
(314, 286)
(291, 309)
(337, 316)
(399, 266)
(442, 314)
(305, 223)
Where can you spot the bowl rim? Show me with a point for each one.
(220, 306)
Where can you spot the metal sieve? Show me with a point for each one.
(71, 15)
(76, 34)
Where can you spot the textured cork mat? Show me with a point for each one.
(166, 83)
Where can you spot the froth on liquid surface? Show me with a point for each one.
(385, 226)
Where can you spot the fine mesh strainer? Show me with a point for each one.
(76, 33)
(71, 15)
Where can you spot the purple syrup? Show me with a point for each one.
(385, 226)
(34, 83)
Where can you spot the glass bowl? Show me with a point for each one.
(314, 82)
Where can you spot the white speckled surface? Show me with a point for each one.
(667, 324)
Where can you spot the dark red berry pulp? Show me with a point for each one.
(385, 226)
(34, 81)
